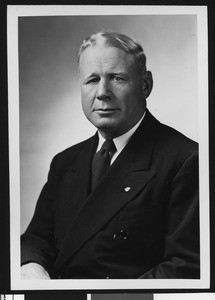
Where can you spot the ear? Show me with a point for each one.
(147, 83)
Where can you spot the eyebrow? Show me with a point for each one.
(109, 74)
(91, 75)
(119, 73)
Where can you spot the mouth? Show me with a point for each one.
(106, 111)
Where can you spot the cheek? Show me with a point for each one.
(88, 94)
(125, 90)
(125, 98)
(87, 101)
(84, 102)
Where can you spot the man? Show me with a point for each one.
(129, 208)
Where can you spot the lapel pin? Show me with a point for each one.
(127, 189)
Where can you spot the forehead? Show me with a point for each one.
(104, 57)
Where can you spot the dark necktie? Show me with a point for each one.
(101, 161)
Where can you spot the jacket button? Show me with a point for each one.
(123, 234)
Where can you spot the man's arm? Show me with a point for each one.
(37, 243)
(181, 254)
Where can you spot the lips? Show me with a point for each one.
(106, 112)
(105, 109)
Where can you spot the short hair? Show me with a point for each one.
(118, 40)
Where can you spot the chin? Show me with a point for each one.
(106, 128)
(105, 124)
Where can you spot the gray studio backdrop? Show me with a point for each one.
(51, 117)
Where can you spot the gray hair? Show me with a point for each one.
(118, 40)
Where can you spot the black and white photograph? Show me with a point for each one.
(108, 147)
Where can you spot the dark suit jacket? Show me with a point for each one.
(141, 221)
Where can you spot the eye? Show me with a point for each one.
(118, 78)
(93, 80)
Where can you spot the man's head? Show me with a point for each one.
(114, 82)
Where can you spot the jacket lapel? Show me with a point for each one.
(129, 174)
(79, 174)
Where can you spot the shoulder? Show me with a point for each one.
(168, 137)
(70, 154)
(171, 147)
(174, 150)
(75, 148)
(174, 138)
(171, 138)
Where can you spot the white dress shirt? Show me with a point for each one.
(120, 141)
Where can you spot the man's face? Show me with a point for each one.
(111, 90)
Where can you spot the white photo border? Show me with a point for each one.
(15, 11)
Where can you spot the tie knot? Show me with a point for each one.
(109, 145)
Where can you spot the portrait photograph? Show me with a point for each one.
(108, 147)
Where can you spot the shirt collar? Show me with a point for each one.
(122, 140)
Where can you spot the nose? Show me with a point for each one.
(103, 91)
